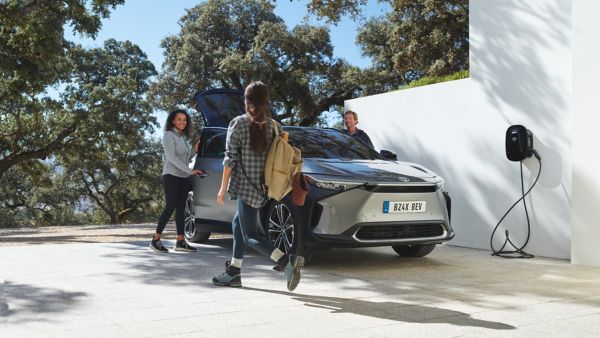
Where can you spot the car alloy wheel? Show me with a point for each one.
(280, 227)
(190, 230)
(189, 227)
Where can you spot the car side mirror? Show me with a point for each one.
(388, 155)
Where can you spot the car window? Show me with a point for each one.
(213, 143)
(329, 143)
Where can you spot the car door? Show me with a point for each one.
(217, 107)
(210, 159)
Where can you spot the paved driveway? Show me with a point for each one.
(124, 290)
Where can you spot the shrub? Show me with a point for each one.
(428, 80)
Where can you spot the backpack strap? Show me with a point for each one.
(276, 130)
(259, 191)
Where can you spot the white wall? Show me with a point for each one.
(586, 139)
(520, 67)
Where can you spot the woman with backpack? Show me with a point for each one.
(248, 139)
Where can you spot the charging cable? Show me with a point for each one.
(518, 251)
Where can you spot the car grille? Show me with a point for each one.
(400, 231)
(400, 188)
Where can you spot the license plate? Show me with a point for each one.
(390, 207)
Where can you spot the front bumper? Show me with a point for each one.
(355, 218)
(384, 234)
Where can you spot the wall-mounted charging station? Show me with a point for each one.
(519, 146)
(519, 143)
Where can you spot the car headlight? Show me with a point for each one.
(329, 184)
(440, 183)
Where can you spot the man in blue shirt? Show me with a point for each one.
(350, 121)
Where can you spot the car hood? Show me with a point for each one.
(371, 171)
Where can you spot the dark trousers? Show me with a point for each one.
(176, 191)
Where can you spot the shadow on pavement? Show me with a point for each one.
(390, 310)
(22, 302)
(467, 276)
(174, 268)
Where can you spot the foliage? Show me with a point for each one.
(417, 38)
(111, 158)
(334, 10)
(228, 43)
(432, 37)
(32, 44)
(428, 80)
(120, 181)
(50, 198)
(95, 131)
(34, 55)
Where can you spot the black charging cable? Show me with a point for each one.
(518, 251)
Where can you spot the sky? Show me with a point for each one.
(147, 22)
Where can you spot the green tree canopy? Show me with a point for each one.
(334, 10)
(35, 56)
(432, 37)
(107, 153)
(119, 179)
(111, 157)
(228, 43)
(417, 38)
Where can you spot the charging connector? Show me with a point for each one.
(518, 252)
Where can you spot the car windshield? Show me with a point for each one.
(329, 143)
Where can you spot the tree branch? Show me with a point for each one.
(41, 153)
(123, 214)
(92, 195)
(336, 99)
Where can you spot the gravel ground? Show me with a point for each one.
(83, 234)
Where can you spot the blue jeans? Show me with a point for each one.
(247, 232)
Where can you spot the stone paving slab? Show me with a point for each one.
(125, 290)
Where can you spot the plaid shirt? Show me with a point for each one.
(238, 147)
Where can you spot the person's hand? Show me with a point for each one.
(196, 147)
(197, 172)
(221, 196)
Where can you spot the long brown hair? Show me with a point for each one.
(171, 117)
(258, 108)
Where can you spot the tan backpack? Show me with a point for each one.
(283, 162)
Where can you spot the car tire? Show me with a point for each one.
(416, 250)
(280, 227)
(190, 230)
